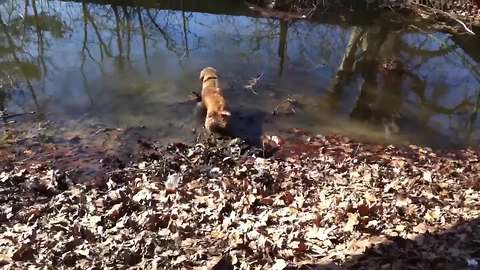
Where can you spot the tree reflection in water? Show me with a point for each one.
(135, 63)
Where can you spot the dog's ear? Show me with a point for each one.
(202, 74)
(213, 70)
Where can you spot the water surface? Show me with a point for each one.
(136, 66)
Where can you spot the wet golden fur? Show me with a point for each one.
(218, 114)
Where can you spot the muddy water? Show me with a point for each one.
(131, 66)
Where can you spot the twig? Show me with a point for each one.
(252, 83)
(312, 11)
(249, 87)
(183, 156)
(106, 129)
(125, 170)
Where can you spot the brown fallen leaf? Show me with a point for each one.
(422, 228)
(24, 253)
(279, 264)
(115, 212)
(225, 263)
(353, 220)
(287, 198)
(266, 200)
(5, 259)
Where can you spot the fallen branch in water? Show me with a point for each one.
(252, 83)
(197, 96)
(286, 107)
(8, 116)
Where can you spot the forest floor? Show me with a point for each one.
(305, 202)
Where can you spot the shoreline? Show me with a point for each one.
(90, 149)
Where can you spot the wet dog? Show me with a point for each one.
(218, 115)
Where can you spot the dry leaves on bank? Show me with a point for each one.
(221, 206)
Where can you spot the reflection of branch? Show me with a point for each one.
(436, 108)
(88, 17)
(465, 61)
(448, 111)
(269, 33)
(475, 72)
(473, 117)
(185, 32)
(85, 41)
(129, 34)
(470, 66)
(117, 30)
(39, 37)
(15, 57)
(82, 65)
(25, 15)
(168, 40)
(282, 44)
(144, 39)
(428, 53)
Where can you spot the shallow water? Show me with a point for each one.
(136, 66)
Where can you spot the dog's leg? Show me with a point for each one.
(199, 113)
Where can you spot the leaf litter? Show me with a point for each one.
(315, 201)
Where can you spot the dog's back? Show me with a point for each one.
(212, 98)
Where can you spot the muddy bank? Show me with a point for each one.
(84, 150)
(325, 202)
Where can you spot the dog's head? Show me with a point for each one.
(208, 73)
(217, 121)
